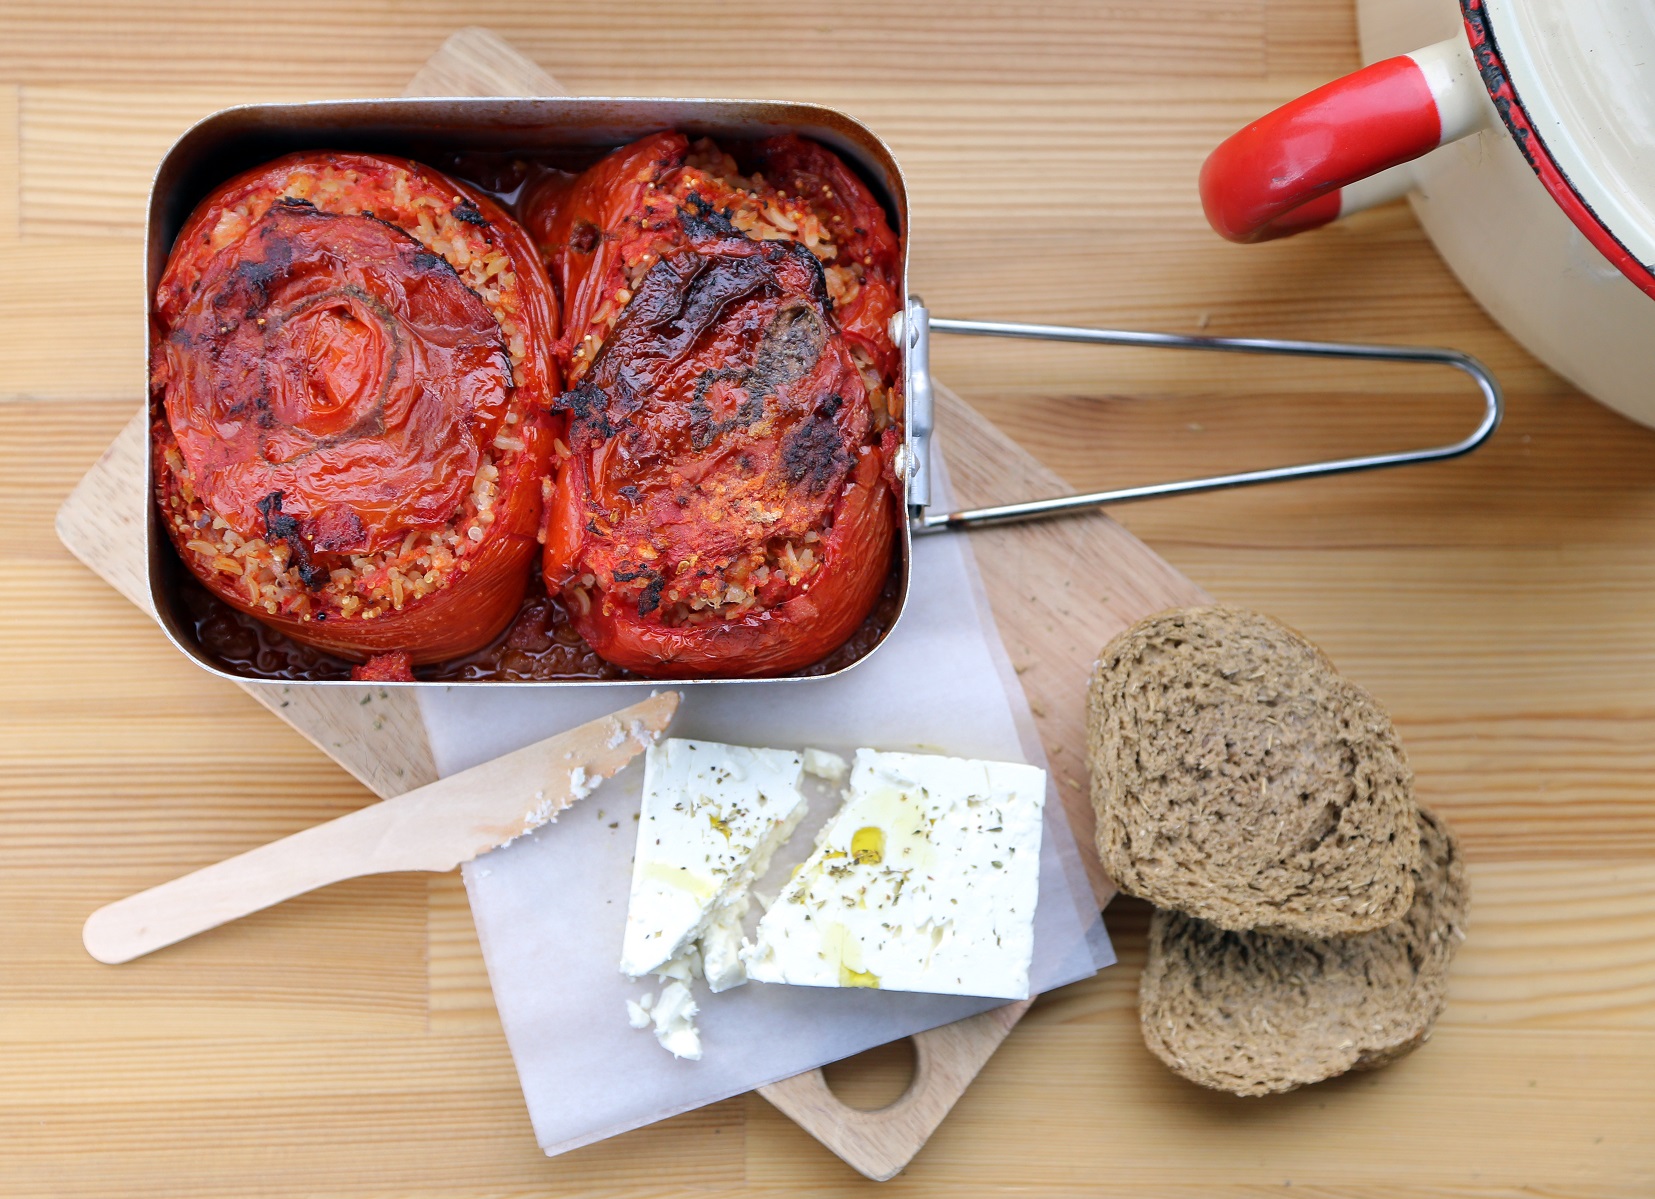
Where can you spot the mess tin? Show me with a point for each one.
(572, 132)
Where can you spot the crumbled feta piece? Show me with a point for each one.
(637, 1014)
(685, 967)
(825, 765)
(926, 880)
(721, 947)
(579, 785)
(674, 1015)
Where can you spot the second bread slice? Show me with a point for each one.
(1238, 777)
(1253, 1014)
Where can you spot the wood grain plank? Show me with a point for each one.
(1558, 947)
(44, 446)
(1543, 480)
(1548, 1108)
(967, 260)
(345, 963)
(268, 794)
(1033, 132)
(234, 1101)
(62, 129)
(83, 346)
(651, 48)
(11, 177)
(1545, 950)
(458, 998)
(965, 268)
(1310, 38)
(1337, 284)
(1513, 617)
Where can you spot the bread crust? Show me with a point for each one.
(1238, 777)
(1254, 1014)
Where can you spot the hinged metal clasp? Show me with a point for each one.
(915, 453)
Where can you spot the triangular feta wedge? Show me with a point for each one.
(926, 880)
(711, 819)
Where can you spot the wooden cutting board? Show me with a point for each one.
(1059, 590)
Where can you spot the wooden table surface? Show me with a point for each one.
(1503, 607)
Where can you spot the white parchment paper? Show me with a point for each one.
(550, 908)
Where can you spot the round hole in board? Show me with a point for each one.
(875, 1078)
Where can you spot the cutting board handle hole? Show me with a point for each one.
(876, 1078)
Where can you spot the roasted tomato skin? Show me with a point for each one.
(378, 479)
(394, 667)
(803, 167)
(583, 227)
(796, 633)
(726, 507)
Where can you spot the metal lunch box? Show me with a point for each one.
(579, 129)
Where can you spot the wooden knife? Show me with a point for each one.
(433, 828)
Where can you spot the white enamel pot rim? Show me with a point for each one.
(1524, 132)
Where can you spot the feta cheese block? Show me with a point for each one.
(926, 880)
(712, 817)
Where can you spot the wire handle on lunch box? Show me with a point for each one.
(914, 461)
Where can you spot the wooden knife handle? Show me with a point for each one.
(435, 827)
(350, 846)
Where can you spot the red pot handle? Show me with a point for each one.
(1293, 169)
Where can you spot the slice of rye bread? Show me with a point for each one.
(1254, 1014)
(1238, 777)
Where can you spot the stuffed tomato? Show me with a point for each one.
(351, 379)
(724, 503)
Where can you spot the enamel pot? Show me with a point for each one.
(1523, 133)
